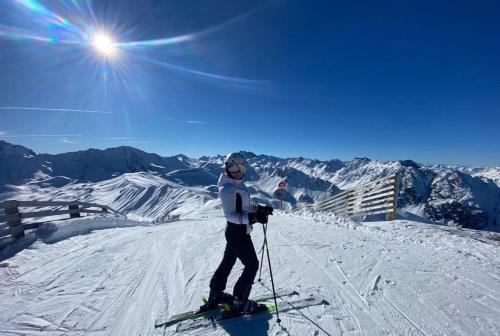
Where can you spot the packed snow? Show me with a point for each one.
(110, 276)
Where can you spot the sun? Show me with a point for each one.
(104, 44)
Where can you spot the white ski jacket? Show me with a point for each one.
(235, 199)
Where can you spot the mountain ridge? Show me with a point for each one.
(446, 194)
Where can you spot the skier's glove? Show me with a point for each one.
(252, 218)
(261, 217)
(268, 210)
(263, 211)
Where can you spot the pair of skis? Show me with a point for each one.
(218, 314)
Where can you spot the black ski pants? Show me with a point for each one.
(238, 246)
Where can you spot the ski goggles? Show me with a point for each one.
(236, 167)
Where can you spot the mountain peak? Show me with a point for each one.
(8, 149)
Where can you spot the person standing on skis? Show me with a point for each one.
(240, 214)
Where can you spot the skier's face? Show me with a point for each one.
(238, 175)
(236, 170)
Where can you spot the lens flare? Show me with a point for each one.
(74, 31)
(104, 44)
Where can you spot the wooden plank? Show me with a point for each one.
(90, 205)
(375, 197)
(382, 181)
(48, 213)
(335, 197)
(339, 201)
(334, 208)
(377, 192)
(381, 208)
(31, 226)
(341, 195)
(43, 203)
(57, 203)
(392, 215)
(377, 207)
(372, 203)
(92, 211)
(390, 202)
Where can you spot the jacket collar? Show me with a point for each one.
(224, 179)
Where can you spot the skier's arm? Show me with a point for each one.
(228, 196)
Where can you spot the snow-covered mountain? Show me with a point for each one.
(114, 276)
(20, 164)
(151, 186)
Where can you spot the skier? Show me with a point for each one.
(240, 214)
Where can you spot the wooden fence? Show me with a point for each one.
(11, 218)
(376, 197)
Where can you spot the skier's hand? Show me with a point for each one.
(261, 217)
(268, 210)
(252, 218)
(263, 211)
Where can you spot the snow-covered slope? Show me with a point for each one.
(489, 173)
(387, 278)
(143, 196)
(15, 164)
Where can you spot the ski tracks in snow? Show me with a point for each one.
(380, 279)
(375, 280)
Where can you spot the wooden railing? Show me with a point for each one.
(376, 197)
(11, 218)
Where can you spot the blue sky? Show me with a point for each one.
(386, 80)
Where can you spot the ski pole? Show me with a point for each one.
(271, 272)
(261, 257)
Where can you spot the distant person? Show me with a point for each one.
(240, 215)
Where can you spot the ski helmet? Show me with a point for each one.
(235, 162)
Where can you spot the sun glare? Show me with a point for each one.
(104, 44)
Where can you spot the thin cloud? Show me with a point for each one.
(216, 79)
(67, 141)
(40, 135)
(184, 38)
(197, 122)
(24, 108)
(2, 133)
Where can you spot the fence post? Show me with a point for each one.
(392, 215)
(74, 206)
(15, 224)
(350, 198)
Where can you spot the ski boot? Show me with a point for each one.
(248, 307)
(215, 299)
